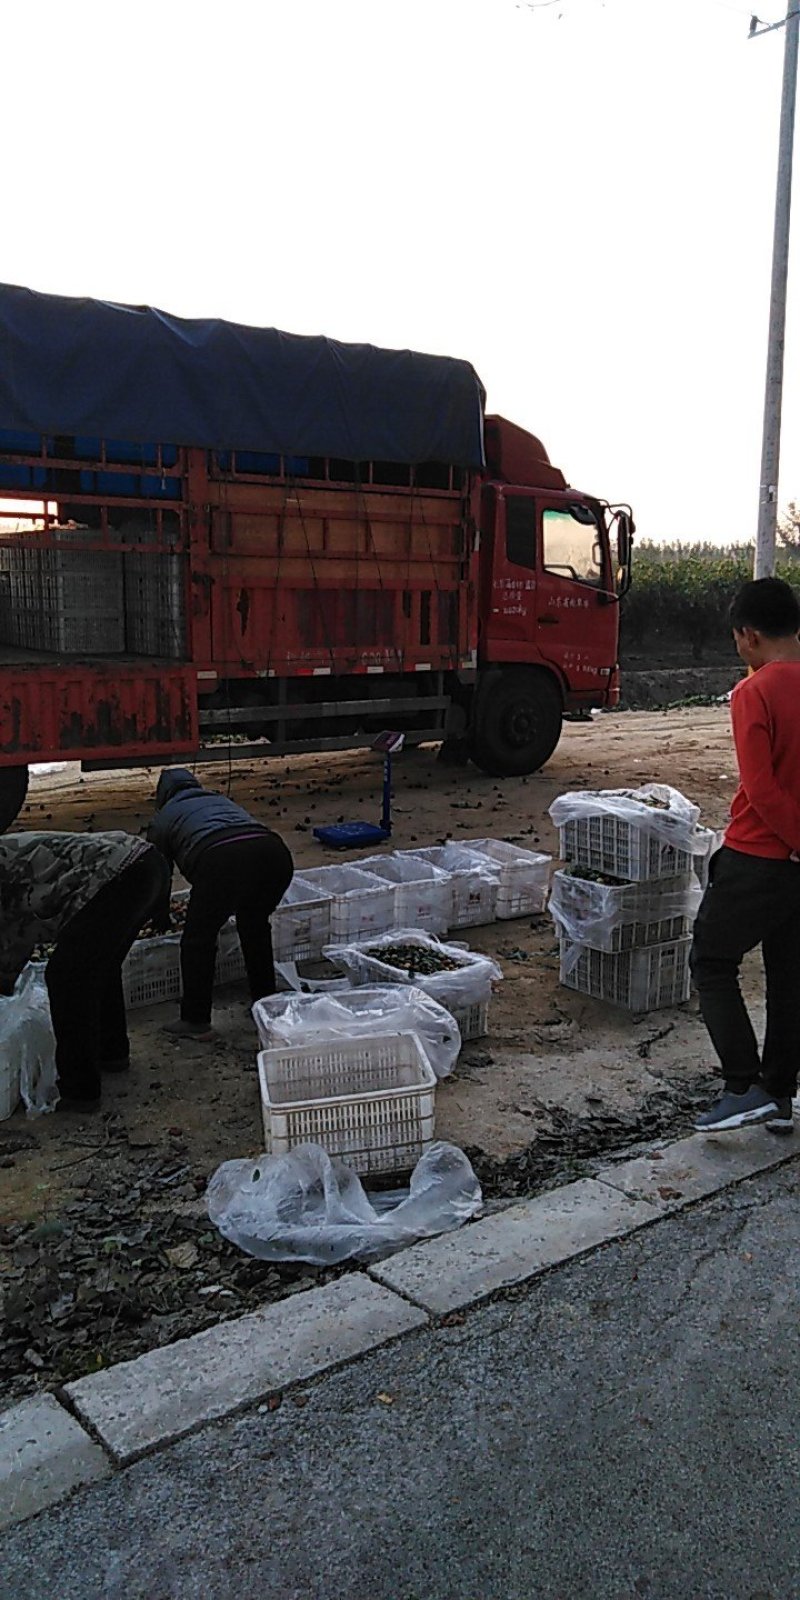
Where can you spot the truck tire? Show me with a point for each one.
(13, 789)
(517, 723)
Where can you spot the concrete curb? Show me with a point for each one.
(44, 1455)
(457, 1270)
(51, 1446)
(139, 1406)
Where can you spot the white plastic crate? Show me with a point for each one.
(625, 916)
(151, 972)
(473, 883)
(45, 627)
(639, 980)
(9, 1089)
(473, 1021)
(464, 991)
(230, 966)
(301, 924)
(368, 1101)
(155, 604)
(621, 849)
(423, 893)
(66, 600)
(523, 876)
(360, 905)
(285, 1020)
(631, 834)
(712, 842)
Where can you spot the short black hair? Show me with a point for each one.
(769, 606)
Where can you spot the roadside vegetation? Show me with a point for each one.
(678, 603)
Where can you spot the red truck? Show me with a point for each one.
(219, 541)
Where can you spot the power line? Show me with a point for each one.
(739, 11)
(721, 5)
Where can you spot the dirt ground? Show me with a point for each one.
(557, 1077)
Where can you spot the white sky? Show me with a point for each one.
(581, 204)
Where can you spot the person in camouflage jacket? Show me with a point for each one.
(88, 895)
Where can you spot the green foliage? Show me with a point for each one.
(679, 599)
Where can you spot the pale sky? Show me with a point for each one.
(577, 198)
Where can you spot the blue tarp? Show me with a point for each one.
(87, 367)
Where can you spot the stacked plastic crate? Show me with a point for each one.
(155, 600)
(625, 902)
(68, 601)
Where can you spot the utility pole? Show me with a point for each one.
(764, 564)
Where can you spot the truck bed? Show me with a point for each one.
(55, 707)
(15, 656)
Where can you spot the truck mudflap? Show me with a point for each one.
(69, 711)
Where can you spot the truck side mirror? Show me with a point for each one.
(625, 531)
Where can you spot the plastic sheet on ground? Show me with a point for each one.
(304, 1206)
(672, 818)
(27, 1043)
(470, 985)
(300, 1019)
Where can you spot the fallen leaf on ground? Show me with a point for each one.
(182, 1255)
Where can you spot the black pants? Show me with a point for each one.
(751, 901)
(84, 974)
(245, 878)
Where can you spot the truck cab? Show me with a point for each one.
(553, 564)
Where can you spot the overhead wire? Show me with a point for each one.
(722, 5)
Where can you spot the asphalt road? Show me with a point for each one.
(626, 1427)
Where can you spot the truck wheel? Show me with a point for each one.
(517, 723)
(13, 789)
(454, 752)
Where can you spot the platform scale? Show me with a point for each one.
(356, 835)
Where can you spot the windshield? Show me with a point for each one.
(572, 546)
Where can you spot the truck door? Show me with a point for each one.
(509, 574)
(548, 584)
(576, 617)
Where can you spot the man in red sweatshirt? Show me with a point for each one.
(753, 895)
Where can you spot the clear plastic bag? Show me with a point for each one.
(359, 902)
(338, 881)
(663, 812)
(306, 1207)
(707, 842)
(299, 1019)
(523, 876)
(402, 867)
(423, 893)
(625, 916)
(470, 985)
(454, 858)
(474, 882)
(27, 1047)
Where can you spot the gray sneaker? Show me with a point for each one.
(784, 1121)
(737, 1111)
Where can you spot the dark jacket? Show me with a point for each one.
(45, 880)
(189, 818)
